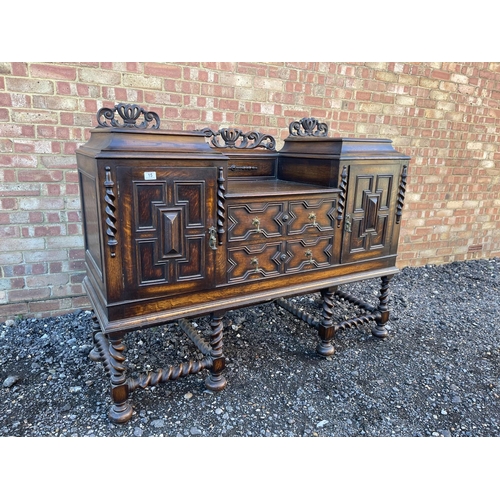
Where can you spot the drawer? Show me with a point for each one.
(251, 167)
(311, 216)
(269, 260)
(254, 221)
(255, 261)
(308, 254)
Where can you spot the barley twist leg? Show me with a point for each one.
(121, 410)
(215, 380)
(326, 328)
(96, 328)
(380, 330)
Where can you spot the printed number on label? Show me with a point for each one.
(149, 176)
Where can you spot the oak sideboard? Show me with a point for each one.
(184, 224)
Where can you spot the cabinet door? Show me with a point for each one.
(370, 211)
(166, 216)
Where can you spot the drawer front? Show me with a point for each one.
(308, 254)
(251, 167)
(311, 216)
(255, 261)
(257, 221)
(270, 260)
(254, 221)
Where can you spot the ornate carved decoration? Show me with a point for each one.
(327, 313)
(221, 207)
(96, 329)
(306, 126)
(112, 357)
(129, 113)
(110, 210)
(234, 138)
(342, 196)
(401, 194)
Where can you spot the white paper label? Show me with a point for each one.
(149, 176)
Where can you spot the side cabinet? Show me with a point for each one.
(149, 204)
(371, 225)
(165, 225)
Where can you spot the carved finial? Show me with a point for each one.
(129, 113)
(308, 125)
(231, 136)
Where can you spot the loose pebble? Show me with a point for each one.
(10, 380)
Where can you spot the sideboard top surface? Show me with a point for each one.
(115, 142)
(340, 148)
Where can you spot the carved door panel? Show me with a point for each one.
(370, 211)
(167, 217)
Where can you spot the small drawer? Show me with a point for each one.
(255, 221)
(255, 262)
(308, 254)
(251, 167)
(312, 216)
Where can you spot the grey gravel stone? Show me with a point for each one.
(436, 374)
(10, 381)
(158, 423)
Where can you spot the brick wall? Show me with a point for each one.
(446, 116)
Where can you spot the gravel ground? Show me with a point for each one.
(437, 374)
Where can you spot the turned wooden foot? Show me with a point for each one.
(325, 348)
(120, 413)
(380, 331)
(215, 380)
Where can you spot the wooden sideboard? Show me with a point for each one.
(180, 225)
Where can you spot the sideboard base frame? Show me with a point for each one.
(109, 349)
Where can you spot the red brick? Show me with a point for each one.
(19, 69)
(52, 71)
(165, 70)
(36, 175)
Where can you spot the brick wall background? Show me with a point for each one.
(446, 116)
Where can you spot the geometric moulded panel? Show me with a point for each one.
(191, 195)
(148, 270)
(170, 233)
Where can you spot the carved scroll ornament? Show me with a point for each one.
(129, 114)
(306, 126)
(234, 138)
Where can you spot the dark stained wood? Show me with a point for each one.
(181, 224)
